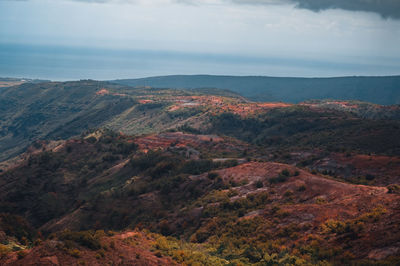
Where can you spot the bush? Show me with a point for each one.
(4, 250)
(85, 238)
(196, 167)
(278, 179)
(288, 193)
(394, 188)
(369, 177)
(259, 184)
(282, 177)
(21, 254)
(320, 200)
(212, 175)
(338, 227)
(147, 160)
(230, 163)
(91, 139)
(301, 188)
(14, 225)
(334, 226)
(74, 253)
(285, 172)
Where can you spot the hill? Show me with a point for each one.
(112, 174)
(199, 208)
(33, 111)
(379, 90)
(60, 110)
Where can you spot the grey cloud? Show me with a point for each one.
(385, 8)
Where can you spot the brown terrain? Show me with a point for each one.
(312, 200)
(306, 201)
(126, 248)
(216, 104)
(198, 197)
(373, 169)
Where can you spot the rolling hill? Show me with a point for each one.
(33, 111)
(379, 90)
(114, 174)
(75, 198)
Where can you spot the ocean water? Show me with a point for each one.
(72, 63)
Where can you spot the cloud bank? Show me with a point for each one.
(385, 8)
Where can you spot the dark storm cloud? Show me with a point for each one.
(385, 8)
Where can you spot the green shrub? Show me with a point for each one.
(4, 250)
(278, 179)
(21, 254)
(301, 188)
(394, 188)
(91, 139)
(259, 184)
(285, 172)
(74, 253)
(85, 238)
(320, 200)
(196, 167)
(288, 193)
(369, 177)
(212, 175)
(14, 225)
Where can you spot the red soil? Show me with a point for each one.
(322, 199)
(129, 248)
(383, 169)
(177, 139)
(104, 91)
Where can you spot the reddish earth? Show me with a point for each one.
(176, 139)
(215, 104)
(385, 167)
(331, 190)
(311, 200)
(104, 91)
(128, 248)
(381, 170)
(194, 145)
(145, 101)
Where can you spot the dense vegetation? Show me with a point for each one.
(302, 128)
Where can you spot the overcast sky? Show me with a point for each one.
(352, 32)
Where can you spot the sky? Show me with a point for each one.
(234, 37)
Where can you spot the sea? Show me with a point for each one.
(74, 63)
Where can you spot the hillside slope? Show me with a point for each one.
(52, 110)
(201, 210)
(60, 110)
(379, 90)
